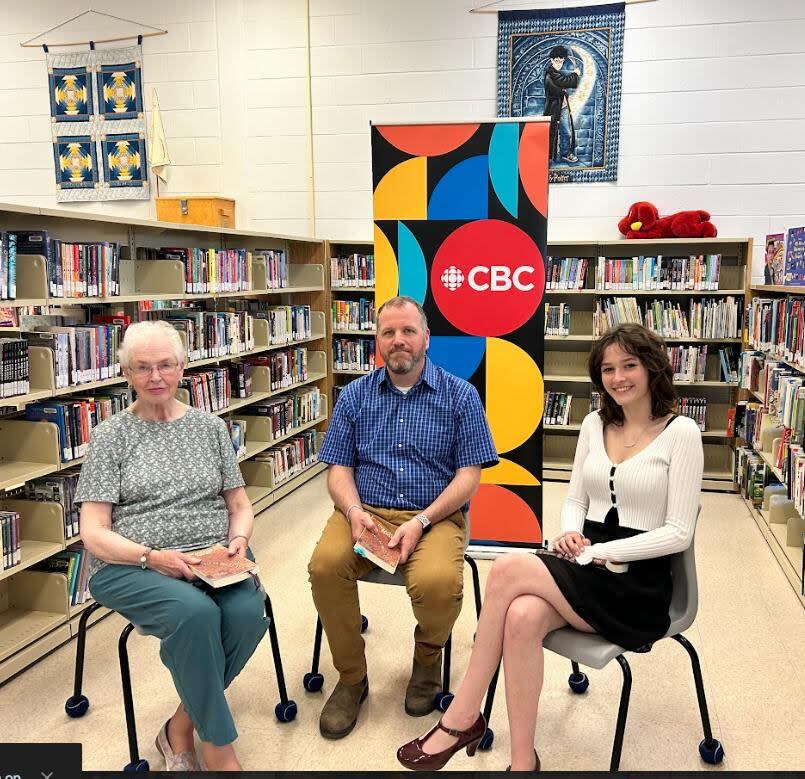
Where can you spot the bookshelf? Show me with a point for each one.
(789, 556)
(35, 611)
(566, 356)
(340, 248)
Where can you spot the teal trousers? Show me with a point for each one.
(207, 635)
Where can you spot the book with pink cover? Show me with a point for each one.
(220, 569)
(373, 544)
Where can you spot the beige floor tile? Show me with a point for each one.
(750, 633)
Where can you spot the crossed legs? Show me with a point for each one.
(522, 604)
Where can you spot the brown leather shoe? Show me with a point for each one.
(425, 682)
(340, 713)
(412, 756)
(537, 766)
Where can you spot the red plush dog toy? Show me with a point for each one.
(644, 221)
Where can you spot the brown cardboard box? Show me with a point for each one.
(208, 210)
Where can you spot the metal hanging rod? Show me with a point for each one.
(489, 8)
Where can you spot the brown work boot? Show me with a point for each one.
(425, 682)
(340, 713)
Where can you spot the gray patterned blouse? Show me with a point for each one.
(165, 479)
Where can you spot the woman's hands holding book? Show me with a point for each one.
(570, 544)
(171, 563)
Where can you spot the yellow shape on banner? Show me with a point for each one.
(387, 277)
(515, 394)
(507, 472)
(402, 192)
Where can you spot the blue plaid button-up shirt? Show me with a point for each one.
(406, 447)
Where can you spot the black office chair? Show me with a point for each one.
(595, 651)
(314, 680)
(78, 703)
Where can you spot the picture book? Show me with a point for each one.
(373, 544)
(220, 569)
(795, 257)
(774, 260)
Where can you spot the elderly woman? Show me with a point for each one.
(160, 480)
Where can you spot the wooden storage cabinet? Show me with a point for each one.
(210, 211)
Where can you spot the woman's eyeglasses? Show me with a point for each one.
(163, 369)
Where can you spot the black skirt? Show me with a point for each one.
(630, 608)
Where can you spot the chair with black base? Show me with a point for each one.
(78, 703)
(314, 680)
(595, 651)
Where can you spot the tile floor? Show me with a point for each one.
(750, 634)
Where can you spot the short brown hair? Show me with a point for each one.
(398, 301)
(652, 352)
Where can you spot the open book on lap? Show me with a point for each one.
(220, 569)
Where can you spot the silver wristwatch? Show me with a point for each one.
(423, 520)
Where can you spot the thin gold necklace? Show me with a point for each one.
(642, 433)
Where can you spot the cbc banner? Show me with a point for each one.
(460, 224)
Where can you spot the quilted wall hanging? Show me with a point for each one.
(98, 124)
(566, 64)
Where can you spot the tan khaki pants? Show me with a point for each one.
(434, 579)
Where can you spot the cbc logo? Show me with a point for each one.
(495, 278)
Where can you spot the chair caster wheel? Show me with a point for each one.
(138, 767)
(76, 706)
(286, 712)
(711, 752)
(487, 739)
(578, 683)
(442, 701)
(313, 682)
(364, 623)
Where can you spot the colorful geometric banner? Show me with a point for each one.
(565, 63)
(98, 124)
(461, 224)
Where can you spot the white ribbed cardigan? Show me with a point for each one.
(656, 490)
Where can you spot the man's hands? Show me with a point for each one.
(359, 520)
(407, 536)
(171, 563)
(570, 544)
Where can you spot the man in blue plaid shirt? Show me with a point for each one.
(406, 445)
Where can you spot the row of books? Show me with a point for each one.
(287, 412)
(74, 270)
(276, 267)
(696, 409)
(716, 318)
(557, 319)
(292, 456)
(285, 366)
(566, 272)
(353, 354)
(751, 474)
(209, 389)
(14, 367)
(209, 270)
(354, 314)
(79, 354)
(688, 362)
(352, 270)
(57, 488)
(211, 333)
(696, 272)
(557, 408)
(286, 324)
(10, 543)
(777, 326)
(74, 564)
(76, 417)
(8, 266)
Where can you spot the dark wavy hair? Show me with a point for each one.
(650, 349)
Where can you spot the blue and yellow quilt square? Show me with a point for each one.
(76, 162)
(70, 94)
(124, 160)
(120, 91)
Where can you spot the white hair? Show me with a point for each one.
(146, 333)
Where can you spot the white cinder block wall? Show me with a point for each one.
(712, 115)
(713, 111)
